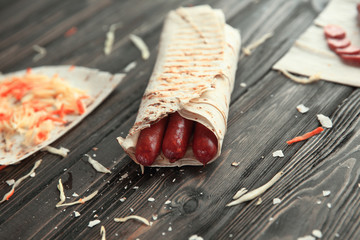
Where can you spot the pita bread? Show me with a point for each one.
(194, 75)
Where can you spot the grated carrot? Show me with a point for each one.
(60, 112)
(42, 136)
(305, 136)
(70, 32)
(32, 105)
(8, 196)
(72, 67)
(17, 182)
(80, 105)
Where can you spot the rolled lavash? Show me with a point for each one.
(194, 75)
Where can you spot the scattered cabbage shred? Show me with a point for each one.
(130, 67)
(135, 217)
(80, 201)
(239, 193)
(256, 192)
(103, 233)
(61, 151)
(10, 182)
(17, 182)
(41, 53)
(110, 38)
(259, 201)
(97, 166)
(140, 44)
(62, 194)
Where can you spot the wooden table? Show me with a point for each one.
(262, 117)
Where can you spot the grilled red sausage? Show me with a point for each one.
(205, 144)
(176, 137)
(333, 31)
(149, 143)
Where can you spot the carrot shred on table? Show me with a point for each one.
(10, 194)
(80, 201)
(70, 32)
(305, 136)
(2, 167)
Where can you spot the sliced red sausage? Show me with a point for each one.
(351, 50)
(176, 137)
(205, 144)
(149, 143)
(334, 43)
(353, 59)
(333, 31)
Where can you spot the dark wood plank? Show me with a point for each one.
(262, 117)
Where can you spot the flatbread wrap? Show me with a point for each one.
(193, 76)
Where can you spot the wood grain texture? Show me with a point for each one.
(262, 117)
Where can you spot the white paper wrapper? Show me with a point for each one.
(98, 85)
(194, 75)
(310, 55)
